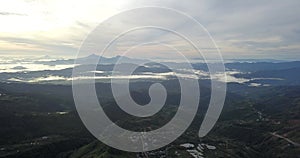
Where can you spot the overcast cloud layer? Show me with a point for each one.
(242, 29)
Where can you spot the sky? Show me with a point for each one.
(241, 29)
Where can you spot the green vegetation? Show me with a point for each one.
(43, 122)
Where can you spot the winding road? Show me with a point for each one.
(286, 139)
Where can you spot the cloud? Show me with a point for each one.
(28, 46)
(10, 13)
(242, 29)
(243, 20)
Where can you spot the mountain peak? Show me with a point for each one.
(93, 56)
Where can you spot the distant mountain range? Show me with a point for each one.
(93, 58)
(249, 73)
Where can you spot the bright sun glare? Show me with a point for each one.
(52, 15)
